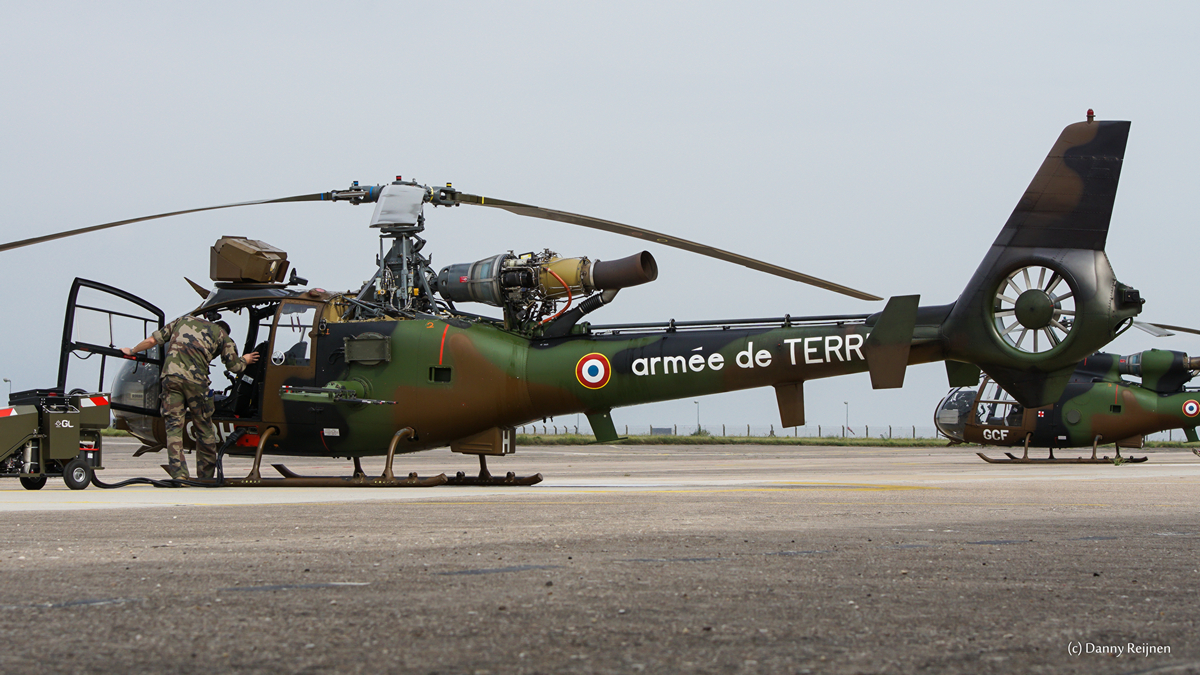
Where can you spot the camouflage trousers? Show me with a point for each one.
(182, 399)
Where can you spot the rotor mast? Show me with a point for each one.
(401, 284)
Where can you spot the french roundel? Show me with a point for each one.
(1191, 408)
(593, 371)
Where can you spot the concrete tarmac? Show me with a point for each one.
(719, 559)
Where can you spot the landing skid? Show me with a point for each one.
(1026, 459)
(289, 479)
(361, 479)
(292, 479)
(1013, 459)
(486, 478)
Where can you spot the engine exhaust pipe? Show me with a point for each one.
(634, 270)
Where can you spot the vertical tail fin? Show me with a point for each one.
(1069, 203)
(1045, 296)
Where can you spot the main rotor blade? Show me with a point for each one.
(666, 240)
(83, 230)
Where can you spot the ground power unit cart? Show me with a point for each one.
(46, 433)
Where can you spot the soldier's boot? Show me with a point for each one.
(178, 471)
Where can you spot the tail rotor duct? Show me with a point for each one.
(1034, 309)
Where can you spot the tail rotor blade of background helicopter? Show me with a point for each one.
(1153, 329)
(649, 235)
(1164, 326)
(320, 196)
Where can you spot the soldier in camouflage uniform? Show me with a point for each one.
(192, 343)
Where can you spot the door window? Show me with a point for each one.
(996, 407)
(293, 345)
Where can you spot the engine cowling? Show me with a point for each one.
(1162, 371)
(507, 279)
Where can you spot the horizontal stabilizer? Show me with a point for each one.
(890, 340)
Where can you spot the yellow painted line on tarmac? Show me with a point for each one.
(872, 504)
(490, 500)
(634, 488)
(486, 499)
(78, 501)
(861, 486)
(765, 489)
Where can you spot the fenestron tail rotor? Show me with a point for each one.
(1034, 309)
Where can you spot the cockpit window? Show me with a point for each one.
(292, 345)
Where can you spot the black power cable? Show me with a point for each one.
(181, 482)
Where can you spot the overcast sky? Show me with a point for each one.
(882, 149)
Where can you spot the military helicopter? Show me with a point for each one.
(1097, 406)
(396, 366)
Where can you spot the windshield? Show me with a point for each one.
(953, 412)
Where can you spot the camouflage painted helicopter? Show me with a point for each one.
(395, 366)
(1097, 406)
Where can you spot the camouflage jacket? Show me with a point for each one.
(191, 345)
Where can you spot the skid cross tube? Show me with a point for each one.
(254, 475)
(406, 432)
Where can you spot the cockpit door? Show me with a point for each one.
(99, 321)
(291, 356)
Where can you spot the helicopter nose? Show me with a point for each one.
(951, 415)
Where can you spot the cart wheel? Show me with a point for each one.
(77, 474)
(31, 483)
